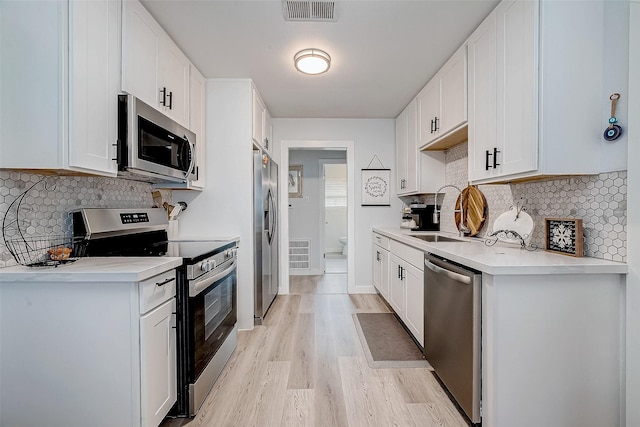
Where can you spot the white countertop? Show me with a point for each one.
(503, 258)
(94, 269)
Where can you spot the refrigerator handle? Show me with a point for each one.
(269, 217)
(272, 216)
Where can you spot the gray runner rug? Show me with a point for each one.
(386, 344)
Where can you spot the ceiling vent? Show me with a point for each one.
(309, 11)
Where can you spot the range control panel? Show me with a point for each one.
(134, 218)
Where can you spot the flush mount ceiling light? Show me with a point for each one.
(312, 61)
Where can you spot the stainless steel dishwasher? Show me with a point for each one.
(452, 317)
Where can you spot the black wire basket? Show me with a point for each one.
(35, 251)
(40, 251)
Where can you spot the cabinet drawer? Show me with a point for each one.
(156, 290)
(381, 241)
(411, 255)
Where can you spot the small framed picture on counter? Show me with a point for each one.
(564, 236)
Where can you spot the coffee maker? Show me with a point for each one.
(423, 217)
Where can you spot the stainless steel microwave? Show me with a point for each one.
(151, 146)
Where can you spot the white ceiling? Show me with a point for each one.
(383, 52)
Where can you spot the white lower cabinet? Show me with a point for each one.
(404, 277)
(158, 363)
(381, 270)
(413, 279)
(97, 353)
(397, 289)
(381, 264)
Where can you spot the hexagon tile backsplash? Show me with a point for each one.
(44, 209)
(599, 200)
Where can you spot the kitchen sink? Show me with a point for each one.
(435, 238)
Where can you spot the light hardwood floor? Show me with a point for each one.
(305, 367)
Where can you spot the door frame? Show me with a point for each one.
(287, 145)
(322, 217)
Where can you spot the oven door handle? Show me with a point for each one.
(197, 287)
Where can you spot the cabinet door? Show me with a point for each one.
(401, 152)
(197, 122)
(414, 313)
(381, 271)
(377, 268)
(384, 273)
(94, 82)
(517, 87)
(453, 92)
(258, 117)
(412, 154)
(267, 131)
(397, 291)
(141, 45)
(482, 97)
(158, 363)
(175, 82)
(428, 111)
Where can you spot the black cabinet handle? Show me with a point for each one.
(495, 157)
(164, 282)
(486, 160)
(170, 100)
(399, 272)
(432, 128)
(436, 124)
(163, 91)
(377, 255)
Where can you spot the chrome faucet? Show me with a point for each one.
(436, 215)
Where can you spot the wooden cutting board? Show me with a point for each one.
(474, 209)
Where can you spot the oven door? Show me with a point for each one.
(212, 315)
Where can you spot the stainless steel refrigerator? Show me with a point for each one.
(265, 231)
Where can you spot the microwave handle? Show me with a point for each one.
(192, 164)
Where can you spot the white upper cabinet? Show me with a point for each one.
(536, 91)
(267, 136)
(197, 87)
(442, 105)
(154, 69)
(416, 172)
(197, 123)
(261, 123)
(483, 92)
(502, 92)
(59, 85)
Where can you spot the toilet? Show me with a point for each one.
(343, 242)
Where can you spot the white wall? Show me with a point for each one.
(305, 212)
(370, 136)
(224, 208)
(633, 224)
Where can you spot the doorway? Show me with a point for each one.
(295, 216)
(333, 219)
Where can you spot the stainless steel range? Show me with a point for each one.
(206, 297)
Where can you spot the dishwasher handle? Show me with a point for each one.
(451, 274)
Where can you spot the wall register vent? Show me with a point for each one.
(299, 251)
(309, 11)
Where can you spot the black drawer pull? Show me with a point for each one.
(164, 282)
(495, 157)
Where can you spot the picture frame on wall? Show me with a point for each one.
(564, 236)
(295, 181)
(375, 187)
